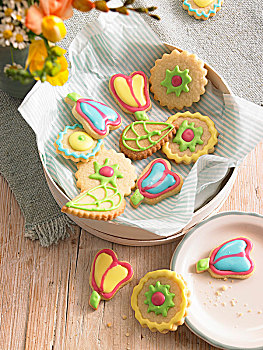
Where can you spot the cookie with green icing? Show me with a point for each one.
(196, 136)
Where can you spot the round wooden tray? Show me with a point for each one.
(128, 235)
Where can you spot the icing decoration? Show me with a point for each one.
(94, 300)
(148, 134)
(203, 3)
(167, 298)
(108, 274)
(97, 114)
(185, 132)
(101, 198)
(176, 81)
(131, 92)
(76, 155)
(157, 180)
(106, 174)
(80, 141)
(217, 4)
(230, 258)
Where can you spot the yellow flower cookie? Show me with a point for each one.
(160, 301)
(178, 79)
(202, 9)
(195, 137)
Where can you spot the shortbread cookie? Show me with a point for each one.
(102, 196)
(156, 183)
(75, 144)
(178, 79)
(230, 259)
(131, 92)
(202, 9)
(160, 301)
(96, 117)
(107, 276)
(141, 139)
(195, 137)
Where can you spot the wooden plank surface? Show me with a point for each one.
(44, 291)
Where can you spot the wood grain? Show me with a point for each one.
(44, 291)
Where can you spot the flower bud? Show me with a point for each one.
(83, 5)
(101, 6)
(53, 28)
(57, 51)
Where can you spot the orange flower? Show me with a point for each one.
(35, 14)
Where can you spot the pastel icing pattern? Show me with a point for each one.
(202, 4)
(92, 151)
(230, 258)
(108, 274)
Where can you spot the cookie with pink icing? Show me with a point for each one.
(131, 92)
(230, 259)
(96, 118)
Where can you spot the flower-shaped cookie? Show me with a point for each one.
(75, 144)
(202, 9)
(160, 300)
(178, 79)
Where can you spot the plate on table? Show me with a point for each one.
(226, 313)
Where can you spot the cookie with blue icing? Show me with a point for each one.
(75, 144)
(96, 117)
(202, 9)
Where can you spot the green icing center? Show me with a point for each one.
(168, 303)
(183, 145)
(167, 82)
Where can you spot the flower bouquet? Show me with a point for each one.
(39, 25)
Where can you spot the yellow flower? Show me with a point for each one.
(53, 28)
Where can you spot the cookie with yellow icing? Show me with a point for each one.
(160, 301)
(202, 9)
(178, 79)
(75, 144)
(195, 137)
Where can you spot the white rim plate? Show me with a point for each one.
(213, 317)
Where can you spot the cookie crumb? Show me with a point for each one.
(233, 302)
(109, 325)
(204, 303)
(218, 293)
(240, 314)
(232, 281)
(249, 310)
(127, 334)
(225, 279)
(223, 304)
(260, 312)
(245, 304)
(124, 317)
(210, 282)
(224, 288)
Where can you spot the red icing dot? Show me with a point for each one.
(176, 80)
(188, 135)
(158, 298)
(106, 171)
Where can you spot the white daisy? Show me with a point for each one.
(13, 66)
(6, 12)
(19, 39)
(6, 33)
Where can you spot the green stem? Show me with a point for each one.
(12, 55)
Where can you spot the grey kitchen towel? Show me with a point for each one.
(231, 42)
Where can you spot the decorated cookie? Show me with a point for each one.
(75, 144)
(141, 139)
(178, 79)
(230, 259)
(103, 186)
(156, 182)
(96, 117)
(160, 301)
(107, 276)
(202, 9)
(195, 137)
(131, 92)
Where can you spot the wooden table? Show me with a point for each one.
(45, 291)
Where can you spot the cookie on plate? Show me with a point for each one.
(131, 92)
(156, 183)
(230, 259)
(105, 181)
(75, 144)
(107, 276)
(96, 117)
(195, 137)
(160, 301)
(202, 9)
(178, 79)
(141, 139)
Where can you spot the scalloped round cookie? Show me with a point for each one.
(202, 9)
(178, 79)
